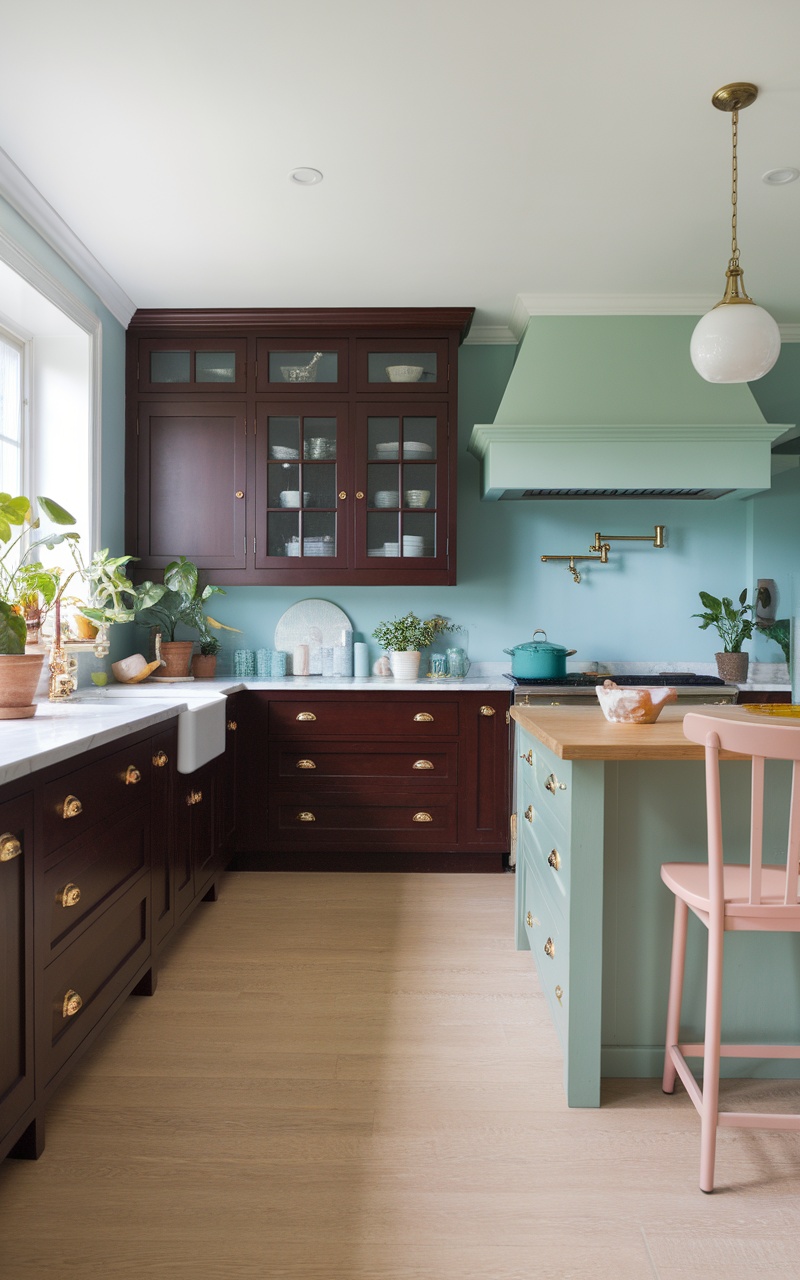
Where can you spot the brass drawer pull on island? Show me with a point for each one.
(527, 755)
(423, 717)
(69, 896)
(160, 759)
(487, 711)
(552, 784)
(306, 764)
(132, 775)
(71, 807)
(550, 948)
(71, 1004)
(305, 715)
(529, 919)
(422, 817)
(559, 992)
(529, 813)
(10, 847)
(306, 816)
(554, 859)
(194, 797)
(422, 764)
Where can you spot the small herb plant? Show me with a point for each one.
(733, 624)
(410, 633)
(210, 647)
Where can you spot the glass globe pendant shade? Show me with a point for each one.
(735, 343)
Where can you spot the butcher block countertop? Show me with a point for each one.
(583, 733)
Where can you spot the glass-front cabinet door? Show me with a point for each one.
(301, 368)
(302, 489)
(203, 365)
(402, 471)
(395, 368)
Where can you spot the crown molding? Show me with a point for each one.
(488, 335)
(527, 305)
(42, 217)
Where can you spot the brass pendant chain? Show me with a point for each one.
(734, 262)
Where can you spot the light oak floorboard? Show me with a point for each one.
(355, 1077)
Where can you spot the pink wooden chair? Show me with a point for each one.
(725, 897)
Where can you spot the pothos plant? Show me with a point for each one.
(22, 578)
(410, 633)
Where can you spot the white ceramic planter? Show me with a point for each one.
(405, 665)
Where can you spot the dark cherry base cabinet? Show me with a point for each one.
(361, 781)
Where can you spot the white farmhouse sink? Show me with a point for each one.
(201, 727)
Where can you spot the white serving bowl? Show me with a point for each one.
(633, 704)
(404, 372)
(387, 498)
(291, 498)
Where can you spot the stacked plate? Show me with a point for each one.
(281, 451)
(391, 548)
(388, 450)
(414, 545)
(416, 449)
(318, 546)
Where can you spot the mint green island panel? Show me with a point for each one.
(588, 862)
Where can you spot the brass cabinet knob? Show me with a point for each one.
(71, 1004)
(10, 847)
(305, 715)
(232, 726)
(306, 816)
(160, 759)
(527, 755)
(550, 948)
(553, 785)
(559, 991)
(306, 764)
(359, 494)
(343, 494)
(423, 717)
(422, 764)
(487, 711)
(132, 775)
(554, 859)
(529, 919)
(239, 493)
(69, 896)
(422, 817)
(194, 797)
(529, 813)
(71, 807)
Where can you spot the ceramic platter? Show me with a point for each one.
(317, 623)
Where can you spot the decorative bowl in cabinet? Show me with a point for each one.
(417, 497)
(291, 498)
(387, 498)
(404, 372)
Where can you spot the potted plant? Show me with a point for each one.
(177, 601)
(403, 638)
(734, 624)
(23, 582)
(204, 663)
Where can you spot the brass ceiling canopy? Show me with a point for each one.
(735, 97)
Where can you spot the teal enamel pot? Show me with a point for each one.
(539, 659)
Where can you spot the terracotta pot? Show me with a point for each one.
(204, 666)
(177, 655)
(405, 663)
(19, 676)
(732, 667)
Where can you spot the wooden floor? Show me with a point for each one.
(353, 1077)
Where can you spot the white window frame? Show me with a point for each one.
(12, 335)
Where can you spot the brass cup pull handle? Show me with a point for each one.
(71, 1004)
(160, 759)
(529, 919)
(71, 807)
(10, 847)
(306, 764)
(529, 813)
(527, 755)
(422, 817)
(305, 715)
(132, 775)
(423, 717)
(553, 785)
(69, 896)
(559, 991)
(487, 711)
(550, 948)
(306, 816)
(422, 764)
(232, 726)
(554, 859)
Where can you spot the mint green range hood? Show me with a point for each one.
(611, 407)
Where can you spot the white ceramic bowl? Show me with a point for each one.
(417, 497)
(404, 372)
(281, 451)
(631, 704)
(387, 498)
(291, 498)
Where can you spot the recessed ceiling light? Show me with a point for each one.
(305, 177)
(779, 177)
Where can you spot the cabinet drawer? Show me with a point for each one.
(109, 787)
(92, 870)
(548, 938)
(422, 719)
(351, 764)
(418, 822)
(545, 782)
(94, 970)
(549, 852)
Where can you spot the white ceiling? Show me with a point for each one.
(562, 150)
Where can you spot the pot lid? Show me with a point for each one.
(540, 646)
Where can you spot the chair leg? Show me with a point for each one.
(677, 965)
(711, 1057)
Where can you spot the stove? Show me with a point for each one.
(577, 688)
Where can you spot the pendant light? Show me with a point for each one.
(737, 341)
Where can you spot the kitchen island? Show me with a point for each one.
(599, 807)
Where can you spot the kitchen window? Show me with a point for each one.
(12, 400)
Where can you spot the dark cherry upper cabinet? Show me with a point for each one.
(306, 447)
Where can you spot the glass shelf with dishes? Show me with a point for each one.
(412, 368)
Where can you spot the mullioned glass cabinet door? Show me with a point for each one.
(303, 493)
(302, 367)
(197, 365)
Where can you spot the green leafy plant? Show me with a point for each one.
(780, 632)
(410, 633)
(178, 600)
(733, 624)
(22, 579)
(112, 595)
(210, 647)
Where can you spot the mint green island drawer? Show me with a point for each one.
(598, 808)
